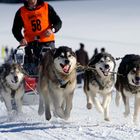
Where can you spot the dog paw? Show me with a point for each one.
(117, 103)
(126, 114)
(107, 119)
(40, 112)
(89, 106)
(66, 117)
(100, 109)
(60, 113)
(55, 114)
(48, 116)
(135, 120)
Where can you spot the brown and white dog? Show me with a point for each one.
(128, 83)
(12, 86)
(99, 80)
(57, 82)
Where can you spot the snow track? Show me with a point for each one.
(82, 125)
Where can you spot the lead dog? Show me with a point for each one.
(57, 81)
(11, 86)
(128, 83)
(99, 80)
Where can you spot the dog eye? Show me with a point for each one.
(62, 56)
(70, 55)
(101, 61)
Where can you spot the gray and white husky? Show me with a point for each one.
(99, 81)
(57, 82)
(128, 83)
(11, 86)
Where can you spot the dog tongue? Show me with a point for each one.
(66, 68)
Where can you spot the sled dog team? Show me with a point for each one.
(57, 82)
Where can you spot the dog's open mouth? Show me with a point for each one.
(13, 81)
(105, 72)
(65, 68)
(137, 83)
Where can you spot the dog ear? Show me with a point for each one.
(53, 51)
(2, 70)
(95, 59)
(47, 58)
(5, 69)
(73, 53)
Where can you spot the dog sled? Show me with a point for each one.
(30, 71)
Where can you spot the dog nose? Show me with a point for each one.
(67, 61)
(137, 78)
(106, 66)
(16, 79)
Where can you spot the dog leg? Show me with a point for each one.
(8, 104)
(118, 98)
(1, 98)
(63, 105)
(136, 109)
(59, 108)
(89, 101)
(41, 105)
(106, 103)
(47, 111)
(68, 106)
(18, 105)
(60, 112)
(127, 108)
(45, 101)
(98, 104)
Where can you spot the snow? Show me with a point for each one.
(97, 23)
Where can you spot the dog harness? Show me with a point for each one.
(101, 84)
(62, 82)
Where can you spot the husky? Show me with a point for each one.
(99, 81)
(57, 82)
(11, 86)
(128, 83)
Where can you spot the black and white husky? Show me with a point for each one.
(99, 80)
(57, 81)
(11, 86)
(128, 83)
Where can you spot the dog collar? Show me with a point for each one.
(62, 82)
(101, 84)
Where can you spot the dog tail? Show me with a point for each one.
(86, 81)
